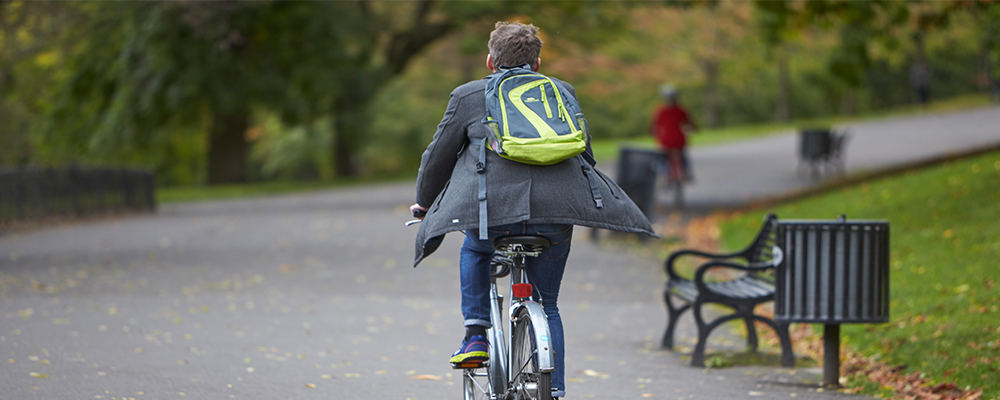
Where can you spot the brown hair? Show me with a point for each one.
(514, 44)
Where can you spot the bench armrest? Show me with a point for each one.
(699, 275)
(669, 266)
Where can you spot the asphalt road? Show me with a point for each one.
(313, 296)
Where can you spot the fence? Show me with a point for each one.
(31, 193)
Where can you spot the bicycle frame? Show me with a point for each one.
(501, 370)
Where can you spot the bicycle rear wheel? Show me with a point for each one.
(529, 382)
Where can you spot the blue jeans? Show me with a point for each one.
(544, 272)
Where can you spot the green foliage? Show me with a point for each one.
(944, 284)
(366, 82)
(717, 362)
(290, 153)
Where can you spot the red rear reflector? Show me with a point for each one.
(521, 289)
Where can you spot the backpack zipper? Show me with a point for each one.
(545, 102)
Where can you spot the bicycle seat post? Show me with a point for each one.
(518, 248)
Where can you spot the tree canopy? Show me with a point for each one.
(214, 91)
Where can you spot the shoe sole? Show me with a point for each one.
(472, 356)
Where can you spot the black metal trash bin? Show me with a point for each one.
(833, 272)
(637, 169)
(814, 144)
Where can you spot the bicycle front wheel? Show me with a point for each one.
(529, 382)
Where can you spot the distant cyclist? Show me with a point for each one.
(546, 200)
(670, 125)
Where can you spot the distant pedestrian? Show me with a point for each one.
(920, 80)
(670, 125)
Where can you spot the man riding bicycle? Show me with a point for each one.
(545, 200)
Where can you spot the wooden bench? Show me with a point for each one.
(755, 285)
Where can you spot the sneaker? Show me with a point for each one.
(473, 354)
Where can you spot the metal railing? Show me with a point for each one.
(32, 193)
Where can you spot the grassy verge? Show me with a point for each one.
(945, 273)
(176, 194)
(608, 149)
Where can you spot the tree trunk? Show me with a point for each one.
(985, 68)
(350, 124)
(848, 102)
(781, 109)
(227, 148)
(711, 103)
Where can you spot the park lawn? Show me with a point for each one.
(945, 269)
(174, 194)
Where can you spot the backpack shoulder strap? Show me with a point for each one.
(588, 170)
(481, 171)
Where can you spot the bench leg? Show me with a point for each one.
(787, 356)
(673, 313)
(698, 356)
(751, 334)
(781, 328)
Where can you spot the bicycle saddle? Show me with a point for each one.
(521, 243)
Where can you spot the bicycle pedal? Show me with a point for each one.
(469, 365)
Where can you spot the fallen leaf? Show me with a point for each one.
(427, 377)
(37, 375)
(310, 385)
(595, 374)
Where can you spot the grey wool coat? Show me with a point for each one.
(448, 184)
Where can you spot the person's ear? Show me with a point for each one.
(538, 64)
(489, 62)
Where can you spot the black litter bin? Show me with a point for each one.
(814, 144)
(814, 148)
(637, 169)
(832, 273)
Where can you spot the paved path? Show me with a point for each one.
(259, 298)
(733, 174)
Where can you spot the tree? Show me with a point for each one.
(138, 73)
(772, 20)
(26, 29)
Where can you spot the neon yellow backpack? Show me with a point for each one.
(533, 119)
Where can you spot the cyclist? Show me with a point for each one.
(523, 199)
(670, 124)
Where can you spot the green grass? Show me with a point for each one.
(605, 150)
(945, 268)
(176, 194)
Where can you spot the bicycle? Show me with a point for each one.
(673, 167)
(524, 371)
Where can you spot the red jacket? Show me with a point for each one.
(668, 123)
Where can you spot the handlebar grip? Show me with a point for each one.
(419, 213)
